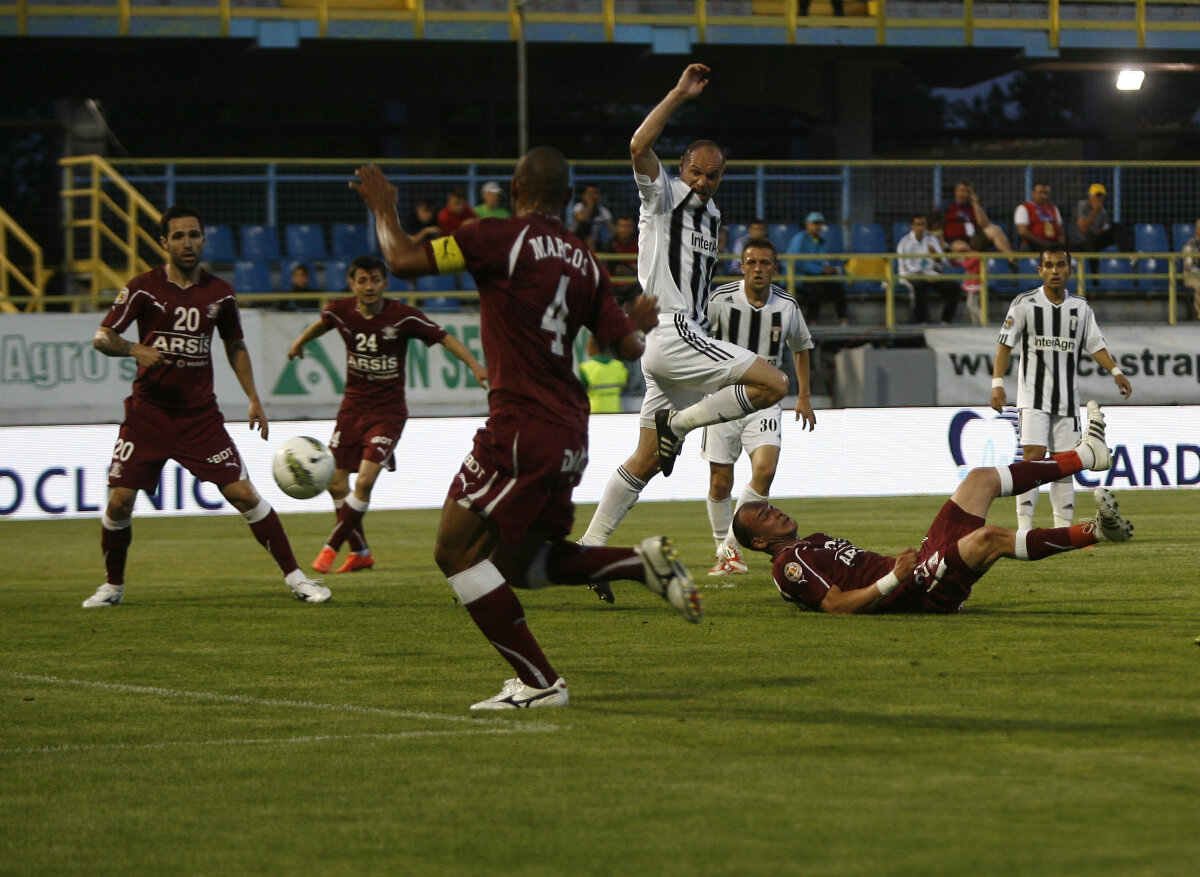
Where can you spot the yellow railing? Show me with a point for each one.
(118, 221)
(769, 16)
(12, 277)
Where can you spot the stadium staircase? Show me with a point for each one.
(25, 278)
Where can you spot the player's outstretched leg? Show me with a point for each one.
(669, 578)
(1108, 520)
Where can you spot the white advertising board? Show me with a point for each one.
(1162, 363)
(49, 472)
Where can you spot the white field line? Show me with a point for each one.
(262, 701)
(321, 738)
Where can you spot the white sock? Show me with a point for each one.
(720, 515)
(109, 524)
(620, 495)
(728, 403)
(257, 513)
(478, 581)
(359, 505)
(1062, 500)
(295, 577)
(1026, 505)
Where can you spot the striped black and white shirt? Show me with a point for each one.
(1050, 339)
(766, 330)
(677, 245)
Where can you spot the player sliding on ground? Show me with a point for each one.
(821, 572)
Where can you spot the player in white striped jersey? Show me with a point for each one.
(755, 314)
(692, 380)
(1053, 328)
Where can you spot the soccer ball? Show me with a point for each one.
(303, 467)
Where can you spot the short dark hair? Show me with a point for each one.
(457, 192)
(964, 182)
(1037, 183)
(178, 211)
(702, 144)
(368, 264)
(1053, 248)
(740, 531)
(760, 243)
(543, 178)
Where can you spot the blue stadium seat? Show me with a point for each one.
(736, 230)
(305, 242)
(781, 233)
(1027, 266)
(834, 240)
(1110, 265)
(260, 243)
(1148, 265)
(399, 284)
(438, 283)
(218, 244)
(1150, 238)
(439, 304)
(335, 275)
(899, 230)
(351, 239)
(252, 277)
(868, 237)
(1000, 277)
(1182, 233)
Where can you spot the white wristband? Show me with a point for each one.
(1115, 372)
(997, 383)
(888, 583)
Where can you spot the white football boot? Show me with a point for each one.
(1093, 439)
(311, 591)
(106, 595)
(1108, 520)
(669, 578)
(516, 695)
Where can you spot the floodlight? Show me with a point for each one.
(1130, 80)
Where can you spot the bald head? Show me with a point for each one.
(542, 180)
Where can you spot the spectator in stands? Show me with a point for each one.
(1191, 272)
(918, 269)
(421, 222)
(491, 206)
(1038, 222)
(456, 213)
(972, 272)
(592, 221)
(965, 216)
(301, 282)
(810, 242)
(624, 243)
(756, 229)
(1093, 228)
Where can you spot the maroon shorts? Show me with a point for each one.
(359, 435)
(150, 436)
(942, 581)
(521, 473)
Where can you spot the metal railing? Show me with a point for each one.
(28, 273)
(773, 21)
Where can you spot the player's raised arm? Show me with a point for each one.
(404, 256)
(239, 361)
(459, 350)
(641, 147)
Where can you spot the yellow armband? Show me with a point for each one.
(447, 256)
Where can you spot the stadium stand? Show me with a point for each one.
(260, 243)
(252, 276)
(218, 244)
(305, 242)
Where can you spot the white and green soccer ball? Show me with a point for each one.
(303, 467)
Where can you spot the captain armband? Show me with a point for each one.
(447, 257)
(888, 583)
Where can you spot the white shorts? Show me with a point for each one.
(682, 365)
(1054, 432)
(723, 443)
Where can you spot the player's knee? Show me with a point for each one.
(775, 386)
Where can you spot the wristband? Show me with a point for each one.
(888, 583)
(997, 383)
(1115, 371)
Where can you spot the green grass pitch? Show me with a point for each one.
(215, 725)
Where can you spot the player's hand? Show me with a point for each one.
(481, 375)
(296, 351)
(149, 357)
(1124, 386)
(693, 80)
(644, 312)
(375, 190)
(258, 417)
(998, 399)
(906, 562)
(804, 409)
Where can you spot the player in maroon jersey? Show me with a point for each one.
(821, 572)
(509, 511)
(376, 331)
(173, 413)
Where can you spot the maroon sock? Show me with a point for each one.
(502, 619)
(269, 533)
(1055, 540)
(348, 521)
(1028, 475)
(358, 538)
(570, 564)
(115, 545)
